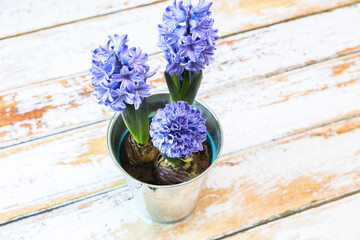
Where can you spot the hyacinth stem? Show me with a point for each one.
(173, 88)
(137, 122)
(185, 84)
(192, 88)
(176, 80)
(187, 89)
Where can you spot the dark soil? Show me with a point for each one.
(145, 172)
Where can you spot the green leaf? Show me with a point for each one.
(185, 84)
(176, 80)
(174, 94)
(129, 118)
(142, 123)
(193, 88)
(137, 121)
(174, 161)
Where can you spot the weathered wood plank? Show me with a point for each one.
(293, 101)
(42, 109)
(55, 170)
(337, 220)
(65, 50)
(19, 17)
(243, 188)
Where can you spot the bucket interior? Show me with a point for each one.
(117, 129)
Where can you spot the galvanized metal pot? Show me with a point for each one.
(165, 203)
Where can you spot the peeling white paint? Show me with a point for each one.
(259, 49)
(22, 16)
(110, 215)
(337, 220)
(41, 173)
(71, 44)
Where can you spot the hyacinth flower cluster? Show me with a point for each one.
(119, 75)
(178, 130)
(187, 39)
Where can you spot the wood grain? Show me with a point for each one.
(65, 50)
(242, 189)
(249, 115)
(46, 173)
(338, 220)
(54, 106)
(19, 17)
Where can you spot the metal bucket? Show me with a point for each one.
(165, 203)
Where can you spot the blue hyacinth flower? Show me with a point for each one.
(119, 74)
(178, 130)
(187, 37)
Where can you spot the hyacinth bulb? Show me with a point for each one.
(139, 154)
(166, 172)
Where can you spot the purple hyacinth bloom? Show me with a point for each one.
(141, 90)
(178, 130)
(187, 37)
(119, 74)
(127, 78)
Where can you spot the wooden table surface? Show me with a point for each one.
(285, 86)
